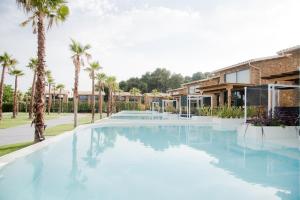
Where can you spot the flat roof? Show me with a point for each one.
(199, 81)
(289, 50)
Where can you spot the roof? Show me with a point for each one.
(289, 50)
(199, 81)
(157, 95)
(176, 89)
(250, 61)
(64, 92)
(127, 94)
(89, 93)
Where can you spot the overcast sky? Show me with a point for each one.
(130, 37)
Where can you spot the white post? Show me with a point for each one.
(269, 99)
(180, 111)
(273, 100)
(187, 106)
(245, 106)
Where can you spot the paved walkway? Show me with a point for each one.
(24, 133)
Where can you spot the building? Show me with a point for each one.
(150, 97)
(127, 97)
(226, 86)
(86, 96)
(64, 95)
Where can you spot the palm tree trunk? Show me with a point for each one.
(59, 109)
(1, 89)
(39, 96)
(49, 98)
(32, 95)
(93, 97)
(75, 95)
(15, 98)
(100, 101)
(108, 103)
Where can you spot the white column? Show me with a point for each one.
(245, 106)
(269, 99)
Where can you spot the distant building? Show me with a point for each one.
(86, 96)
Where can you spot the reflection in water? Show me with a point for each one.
(37, 175)
(153, 162)
(267, 168)
(77, 180)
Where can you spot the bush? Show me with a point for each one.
(204, 111)
(230, 112)
(120, 105)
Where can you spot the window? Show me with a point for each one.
(230, 78)
(242, 76)
(83, 97)
(192, 89)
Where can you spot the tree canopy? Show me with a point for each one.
(160, 79)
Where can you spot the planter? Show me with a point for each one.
(203, 118)
(257, 137)
(229, 124)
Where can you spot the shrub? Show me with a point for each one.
(230, 112)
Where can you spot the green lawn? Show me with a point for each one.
(13, 147)
(22, 118)
(52, 131)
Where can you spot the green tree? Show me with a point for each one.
(16, 73)
(79, 52)
(94, 66)
(101, 77)
(50, 82)
(41, 10)
(8, 94)
(7, 62)
(33, 63)
(60, 87)
(111, 84)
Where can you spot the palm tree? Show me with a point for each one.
(101, 77)
(50, 82)
(33, 66)
(7, 62)
(110, 82)
(41, 10)
(135, 92)
(94, 66)
(79, 51)
(16, 73)
(60, 87)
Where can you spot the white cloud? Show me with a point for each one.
(131, 41)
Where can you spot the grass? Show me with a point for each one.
(13, 147)
(52, 131)
(22, 118)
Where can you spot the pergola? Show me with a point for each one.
(273, 96)
(167, 101)
(195, 97)
(153, 104)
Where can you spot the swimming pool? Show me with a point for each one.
(143, 115)
(152, 162)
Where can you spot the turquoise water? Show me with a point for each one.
(152, 162)
(143, 115)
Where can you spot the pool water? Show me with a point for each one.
(143, 115)
(152, 162)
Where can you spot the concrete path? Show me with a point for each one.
(24, 133)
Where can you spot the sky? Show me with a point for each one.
(131, 37)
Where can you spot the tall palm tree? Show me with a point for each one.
(16, 73)
(60, 87)
(110, 82)
(41, 10)
(79, 52)
(33, 66)
(135, 92)
(7, 62)
(101, 77)
(94, 66)
(50, 82)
